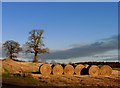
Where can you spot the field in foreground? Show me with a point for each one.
(16, 74)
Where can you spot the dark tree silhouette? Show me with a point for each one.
(35, 44)
(11, 48)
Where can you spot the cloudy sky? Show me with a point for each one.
(72, 30)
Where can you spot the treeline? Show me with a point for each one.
(111, 64)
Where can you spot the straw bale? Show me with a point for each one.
(68, 69)
(57, 69)
(78, 69)
(105, 70)
(45, 69)
(94, 70)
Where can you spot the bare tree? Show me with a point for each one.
(11, 48)
(35, 44)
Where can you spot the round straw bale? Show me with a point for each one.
(78, 69)
(57, 69)
(45, 69)
(68, 69)
(40, 67)
(73, 64)
(106, 70)
(94, 70)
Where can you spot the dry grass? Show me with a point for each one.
(68, 79)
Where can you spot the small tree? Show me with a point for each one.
(12, 48)
(35, 44)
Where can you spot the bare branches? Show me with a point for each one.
(11, 47)
(35, 43)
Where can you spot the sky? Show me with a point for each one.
(67, 25)
(60, 0)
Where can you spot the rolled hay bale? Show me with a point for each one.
(45, 69)
(94, 70)
(57, 69)
(105, 70)
(73, 64)
(68, 69)
(40, 67)
(78, 69)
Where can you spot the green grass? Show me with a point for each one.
(27, 78)
(8, 75)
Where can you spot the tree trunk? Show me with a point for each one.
(35, 57)
(10, 57)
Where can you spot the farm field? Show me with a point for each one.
(26, 74)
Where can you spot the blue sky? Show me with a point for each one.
(60, 0)
(72, 30)
(65, 24)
